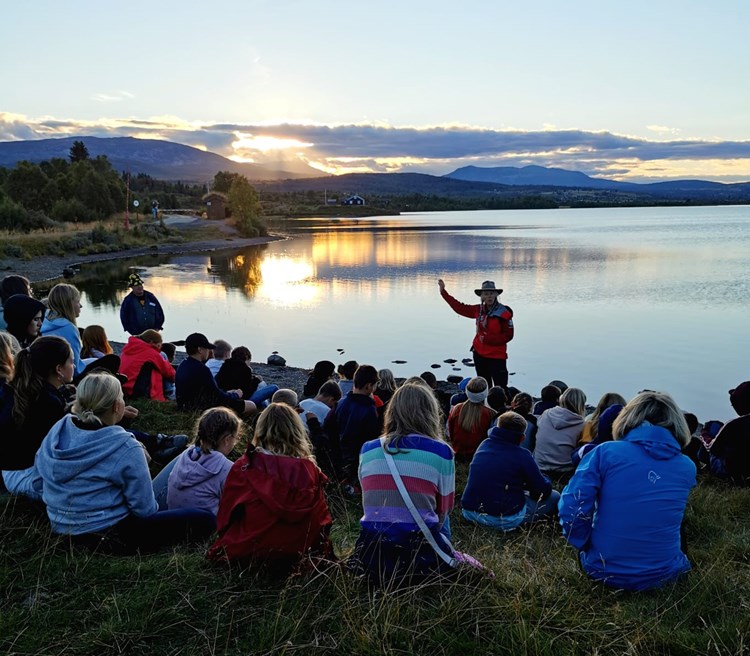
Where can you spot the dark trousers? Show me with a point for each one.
(493, 370)
(149, 534)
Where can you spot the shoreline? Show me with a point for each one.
(50, 267)
(288, 376)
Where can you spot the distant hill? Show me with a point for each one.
(553, 177)
(389, 184)
(164, 160)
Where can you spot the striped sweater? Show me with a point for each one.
(428, 471)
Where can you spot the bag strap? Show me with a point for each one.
(450, 560)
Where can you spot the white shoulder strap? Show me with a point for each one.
(412, 508)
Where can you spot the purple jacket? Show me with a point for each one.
(197, 480)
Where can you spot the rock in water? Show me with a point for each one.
(398, 361)
(435, 366)
(450, 360)
(276, 360)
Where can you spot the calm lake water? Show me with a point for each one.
(604, 299)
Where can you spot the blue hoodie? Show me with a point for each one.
(93, 478)
(61, 327)
(624, 506)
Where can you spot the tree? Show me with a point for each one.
(78, 152)
(26, 185)
(245, 204)
(223, 181)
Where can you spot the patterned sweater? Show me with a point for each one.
(428, 471)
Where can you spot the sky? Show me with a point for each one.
(638, 90)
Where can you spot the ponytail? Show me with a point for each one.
(33, 366)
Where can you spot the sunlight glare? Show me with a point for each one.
(288, 281)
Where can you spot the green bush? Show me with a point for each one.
(72, 211)
(13, 216)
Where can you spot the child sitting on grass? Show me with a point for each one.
(505, 487)
(96, 482)
(197, 478)
(95, 344)
(273, 511)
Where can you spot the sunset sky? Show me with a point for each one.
(629, 90)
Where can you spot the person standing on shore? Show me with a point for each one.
(140, 310)
(494, 329)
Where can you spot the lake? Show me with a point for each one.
(605, 299)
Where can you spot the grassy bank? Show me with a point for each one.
(91, 239)
(56, 599)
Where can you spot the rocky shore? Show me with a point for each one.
(293, 378)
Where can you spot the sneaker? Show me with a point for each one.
(168, 447)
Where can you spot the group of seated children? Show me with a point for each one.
(626, 479)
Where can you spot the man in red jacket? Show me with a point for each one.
(494, 329)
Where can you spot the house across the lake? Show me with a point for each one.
(353, 200)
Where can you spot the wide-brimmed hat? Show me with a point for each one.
(134, 280)
(488, 286)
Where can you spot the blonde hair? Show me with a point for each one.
(574, 399)
(386, 380)
(95, 395)
(151, 336)
(608, 399)
(512, 421)
(280, 430)
(62, 301)
(413, 408)
(94, 339)
(6, 357)
(657, 408)
(470, 414)
(213, 425)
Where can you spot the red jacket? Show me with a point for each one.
(494, 329)
(134, 355)
(272, 510)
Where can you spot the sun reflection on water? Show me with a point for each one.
(288, 281)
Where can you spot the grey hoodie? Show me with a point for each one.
(558, 430)
(93, 478)
(197, 480)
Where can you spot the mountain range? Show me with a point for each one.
(159, 159)
(173, 161)
(552, 177)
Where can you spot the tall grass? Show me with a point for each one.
(57, 599)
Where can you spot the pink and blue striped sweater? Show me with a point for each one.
(428, 471)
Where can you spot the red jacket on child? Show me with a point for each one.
(134, 355)
(272, 510)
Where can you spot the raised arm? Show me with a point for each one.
(469, 311)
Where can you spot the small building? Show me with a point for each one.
(216, 205)
(353, 200)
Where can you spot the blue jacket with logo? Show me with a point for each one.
(136, 317)
(624, 506)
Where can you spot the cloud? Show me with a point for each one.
(433, 149)
(115, 96)
(663, 129)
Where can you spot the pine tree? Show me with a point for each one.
(78, 152)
